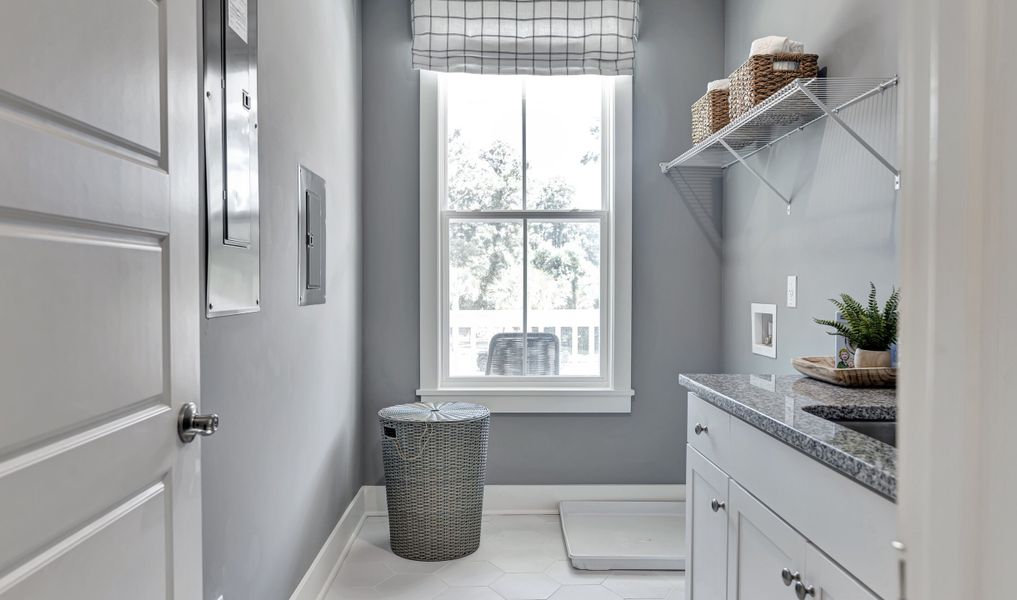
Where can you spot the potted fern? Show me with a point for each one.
(869, 329)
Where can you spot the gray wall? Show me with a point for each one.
(285, 381)
(676, 273)
(842, 231)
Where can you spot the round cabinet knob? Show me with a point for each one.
(700, 429)
(789, 577)
(803, 591)
(716, 505)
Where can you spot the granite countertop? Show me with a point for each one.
(775, 403)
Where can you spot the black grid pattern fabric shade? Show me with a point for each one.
(525, 37)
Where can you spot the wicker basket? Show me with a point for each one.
(435, 458)
(709, 115)
(758, 78)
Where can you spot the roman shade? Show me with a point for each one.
(526, 37)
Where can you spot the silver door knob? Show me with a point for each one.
(789, 577)
(191, 424)
(802, 590)
(716, 505)
(701, 429)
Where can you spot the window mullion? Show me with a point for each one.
(526, 243)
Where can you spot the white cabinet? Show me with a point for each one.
(760, 512)
(706, 530)
(762, 550)
(824, 580)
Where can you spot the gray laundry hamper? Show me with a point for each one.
(435, 459)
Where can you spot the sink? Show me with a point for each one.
(884, 431)
(879, 424)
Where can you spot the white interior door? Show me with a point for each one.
(98, 299)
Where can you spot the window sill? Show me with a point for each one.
(533, 401)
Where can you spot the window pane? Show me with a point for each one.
(485, 136)
(563, 123)
(564, 289)
(485, 295)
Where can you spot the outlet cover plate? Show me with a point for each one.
(792, 291)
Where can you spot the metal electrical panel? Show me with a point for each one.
(231, 157)
(311, 238)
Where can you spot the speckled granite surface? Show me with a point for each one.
(775, 404)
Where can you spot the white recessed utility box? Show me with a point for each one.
(764, 329)
(601, 536)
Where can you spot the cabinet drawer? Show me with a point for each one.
(709, 429)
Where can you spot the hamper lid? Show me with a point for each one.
(430, 412)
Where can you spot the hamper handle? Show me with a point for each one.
(424, 439)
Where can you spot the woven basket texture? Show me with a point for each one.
(709, 115)
(435, 457)
(763, 75)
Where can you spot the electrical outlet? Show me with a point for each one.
(792, 291)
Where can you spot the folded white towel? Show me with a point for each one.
(773, 44)
(719, 84)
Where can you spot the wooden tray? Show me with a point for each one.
(824, 368)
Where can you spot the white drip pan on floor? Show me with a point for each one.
(624, 535)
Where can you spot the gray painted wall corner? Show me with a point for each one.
(676, 273)
(272, 495)
(843, 228)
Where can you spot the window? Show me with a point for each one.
(525, 221)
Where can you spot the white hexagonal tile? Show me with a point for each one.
(411, 586)
(362, 552)
(522, 562)
(405, 565)
(584, 592)
(563, 572)
(363, 573)
(525, 586)
(636, 584)
(352, 593)
(470, 573)
(468, 593)
(676, 593)
(555, 547)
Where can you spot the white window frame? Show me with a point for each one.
(610, 392)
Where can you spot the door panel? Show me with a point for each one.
(59, 486)
(87, 307)
(760, 546)
(122, 554)
(706, 530)
(64, 162)
(85, 58)
(830, 581)
(99, 299)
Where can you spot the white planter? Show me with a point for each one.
(871, 358)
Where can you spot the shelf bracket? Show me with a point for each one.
(745, 164)
(832, 113)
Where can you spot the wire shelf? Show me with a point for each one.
(795, 107)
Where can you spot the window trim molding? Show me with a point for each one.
(610, 393)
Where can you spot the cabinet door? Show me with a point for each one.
(705, 528)
(827, 581)
(760, 546)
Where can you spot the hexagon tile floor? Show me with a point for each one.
(521, 557)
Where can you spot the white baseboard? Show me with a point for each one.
(498, 500)
(325, 566)
(543, 499)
